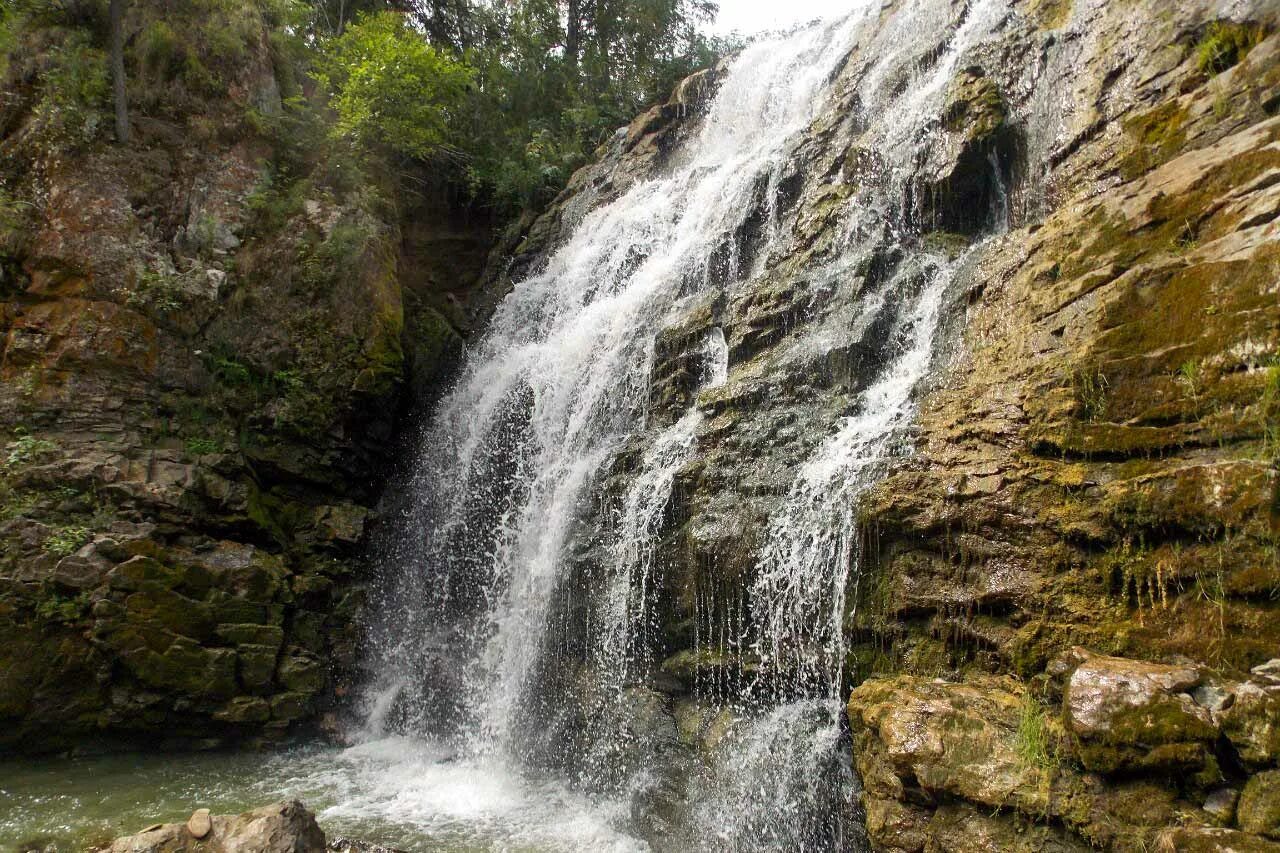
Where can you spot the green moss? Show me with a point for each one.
(1050, 14)
(1158, 136)
(975, 106)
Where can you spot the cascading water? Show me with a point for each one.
(521, 624)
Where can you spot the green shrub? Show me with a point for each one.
(59, 608)
(202, 446)
(228, 371)
(74, 91)
(163, 55)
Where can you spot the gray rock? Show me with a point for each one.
(1269, 671)
(1213, 697)
(1221, 805)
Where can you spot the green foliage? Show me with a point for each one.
(74, 89)
(1224, 44)
(338, 256)
(27, 449)
(201, 446)
(158, 289)
(538, 111)
(390, 87)
(65, 541)
(1191, 377)
(231, 372)
(59, 608)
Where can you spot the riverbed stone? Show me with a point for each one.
(286, 827)
(199, 824)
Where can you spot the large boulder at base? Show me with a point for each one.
(286, 827)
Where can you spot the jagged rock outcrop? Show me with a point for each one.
(206, 338)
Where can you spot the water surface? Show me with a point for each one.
(399, 792)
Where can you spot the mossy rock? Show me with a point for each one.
(975, 107)
(1259, 808)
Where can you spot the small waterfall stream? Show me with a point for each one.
(501, 663)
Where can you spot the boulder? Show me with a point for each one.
(1252, 722)
(1130, 714)
(941, 739)
(286, 827)
(1259, 809)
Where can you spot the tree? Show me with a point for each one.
(391, 88)
(118, 81)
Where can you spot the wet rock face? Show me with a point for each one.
(1091, 506)
(201, 371)
(1132, 715)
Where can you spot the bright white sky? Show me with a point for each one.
(752, 16)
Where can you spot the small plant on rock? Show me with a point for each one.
(1033, 742)
(1091, 393)
(1225, 44)
(27, 449)
(65, 541)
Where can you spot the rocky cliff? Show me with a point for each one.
(207, 337)
(1063, 622)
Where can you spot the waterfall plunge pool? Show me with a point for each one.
(399, 792)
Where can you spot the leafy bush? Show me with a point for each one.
(202, 446)
(58, 608)
(391, 88)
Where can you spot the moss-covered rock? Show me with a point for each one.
(1259, 808)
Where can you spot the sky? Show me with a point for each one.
(752, 16)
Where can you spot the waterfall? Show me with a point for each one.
(520, 618)
(558, 383)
